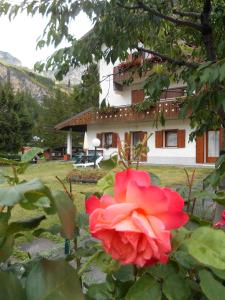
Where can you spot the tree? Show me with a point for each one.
(188, 38)
(15, 120)
(86, 94)
(62, 105)
(53, 110)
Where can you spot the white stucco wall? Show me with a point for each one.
(181, 156)
(112, 96)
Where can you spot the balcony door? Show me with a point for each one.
(208, 147)
(212, 146)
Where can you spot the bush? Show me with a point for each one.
(13, 156)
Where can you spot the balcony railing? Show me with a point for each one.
(169, 108)
(125, 70)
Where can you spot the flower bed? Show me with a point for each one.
(86, 175)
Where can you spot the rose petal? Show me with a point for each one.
(106, 201)
(141, 178)
(176, 202)
(126, 225)
(151, 199)
(173, 220)
(91, 204)
(142, 223)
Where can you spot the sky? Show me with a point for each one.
(19, 37)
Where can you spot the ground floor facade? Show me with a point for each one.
(168, 145)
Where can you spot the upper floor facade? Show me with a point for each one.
(115, 90)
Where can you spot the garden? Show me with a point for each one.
(138, 232)
(128, 236)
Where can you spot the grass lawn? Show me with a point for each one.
(169, 175)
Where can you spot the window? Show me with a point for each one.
(171, 138)
(135, 138)
(108, 139)
(213, 143)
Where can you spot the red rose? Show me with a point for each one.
(134, 225)
(221, 222)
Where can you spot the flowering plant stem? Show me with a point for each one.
(88, 263)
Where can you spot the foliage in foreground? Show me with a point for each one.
(195, 270)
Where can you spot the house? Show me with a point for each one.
(167, 144)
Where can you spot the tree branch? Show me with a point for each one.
(168, 18)
(207, 31)
(187, 14)
(143, 6)
(127, 6)
(167, 58)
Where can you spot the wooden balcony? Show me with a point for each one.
(120, 114)
(130, 69)
(170, 109)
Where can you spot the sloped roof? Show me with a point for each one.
(79, 120)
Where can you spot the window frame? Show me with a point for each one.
(165, 138)
(104, 140)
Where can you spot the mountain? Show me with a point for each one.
(39, 86)
(23, 79)
(8, 58)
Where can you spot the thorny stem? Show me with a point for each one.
(88, 263)
(65, 188)
(190, 182)
(15, 174)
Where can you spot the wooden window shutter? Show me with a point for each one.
(100, 137)
(181, 138)
(137, 96)
(114, 139)
(222, 141)
(143, 136)
(159, 139)
(127, 139)
(200, 149)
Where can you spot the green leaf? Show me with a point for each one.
(125, 273)
(199, 221)
(53, 280)
(185, 260)
(99, 292)
(106, 263)
(175, 287)
(160, 271)
(30, 224)
(13, 195)
(66, 212)
(6, 161)
(4, 218)
(6, 248)
(220, 197)
(207, 246)
(219, 273)
(11, 288)
(212, 288)
(106, 183)
(146, 288)
(110, 163)
(179, 235)
(29, 155)
(201, 195)
(54, 229)
(82, 220)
